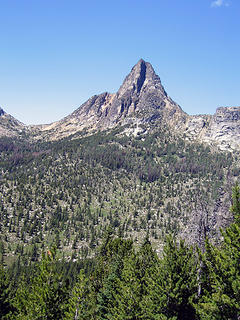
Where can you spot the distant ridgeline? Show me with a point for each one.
(142, 104)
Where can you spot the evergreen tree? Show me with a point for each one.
(115, 252)
(127, 296)
(109, 263)
(172, 284)
(77, 303)
(131, 285)
(236, 203)
(5, 306)
(44, 296)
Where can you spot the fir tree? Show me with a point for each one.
(116, 252)
(127, 295)
(78, 300)
(235, 208)
(172, 284)
(5, 306)
(131, 285)
(44, 296)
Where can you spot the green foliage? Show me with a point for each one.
(127, 293)
(77, 304)
(221, 278)
(44, 296)
(172, 284)
(69, 191)
(110, 263)
(236, 203)
(5, 306)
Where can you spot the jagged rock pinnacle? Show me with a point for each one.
(140, 99)
(141, 75)
(141, 90)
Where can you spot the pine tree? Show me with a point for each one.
(172, 284)
(109, 264)
(221, 295)
(43, 297)
(131, 285)
(127, 295)
(5, 306)
(116, 252)
(235, 208)
(76, 307)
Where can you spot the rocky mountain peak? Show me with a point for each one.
(140, 99)
(141, 76)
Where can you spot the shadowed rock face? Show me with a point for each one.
(141, 95)
(2, 112)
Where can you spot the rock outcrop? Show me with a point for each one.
(222, 129)
(9, 126)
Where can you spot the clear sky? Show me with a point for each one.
(55, 54)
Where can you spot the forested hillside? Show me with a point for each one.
(124, 283)
(68, 192)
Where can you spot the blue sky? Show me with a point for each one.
(55, 54)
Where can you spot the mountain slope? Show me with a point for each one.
(140, 99)
(10, 127)
(69, 191)
(140, 104)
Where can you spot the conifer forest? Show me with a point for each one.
(103, 227)
(120, 282)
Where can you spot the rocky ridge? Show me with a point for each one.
(11, 127)
(221, 129)
(140, 101)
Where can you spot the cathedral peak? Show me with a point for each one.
(141, 76)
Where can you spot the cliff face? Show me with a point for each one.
(222, 129)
